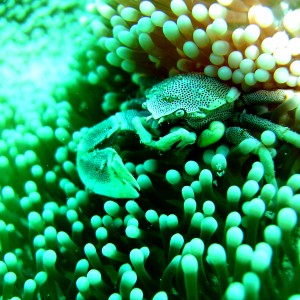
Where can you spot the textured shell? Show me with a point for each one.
(191, 92)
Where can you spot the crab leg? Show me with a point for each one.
(260, 124)
(177, 135)
(100, 167)
(268, 97)
(105, 130)
(97, 134)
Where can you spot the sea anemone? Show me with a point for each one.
(251, 44)
(206, 225)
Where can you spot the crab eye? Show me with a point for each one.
(144, 105)
(179, 113)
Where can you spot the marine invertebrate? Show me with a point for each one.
(198, 101)
(102, 169)
(251, 44)
(206, 224)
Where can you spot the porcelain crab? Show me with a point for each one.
(199, 107)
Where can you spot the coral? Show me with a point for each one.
(206, 225)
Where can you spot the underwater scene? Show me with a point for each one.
(150, 149)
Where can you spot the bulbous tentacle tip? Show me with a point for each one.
(103, 173)
(212, 134)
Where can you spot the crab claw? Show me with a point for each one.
(103, 172)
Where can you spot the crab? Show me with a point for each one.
(197, 108)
